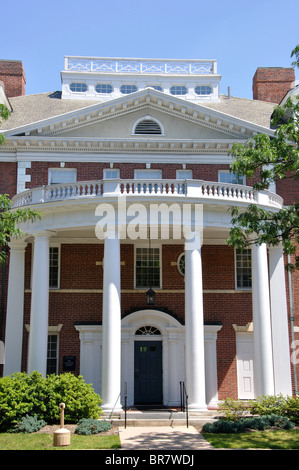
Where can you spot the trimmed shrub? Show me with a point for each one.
(80, 399)
(92, 426)
(259, 423)
(34, 395)
(29, 424)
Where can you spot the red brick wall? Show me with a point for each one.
(8, 178)
(94, 171)
(272, 83)
(13, 77)
(79, 271)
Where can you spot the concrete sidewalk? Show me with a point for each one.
(163, 438)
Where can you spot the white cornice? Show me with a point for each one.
(148, 98)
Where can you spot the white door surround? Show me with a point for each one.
(173, 354)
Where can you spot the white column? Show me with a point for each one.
(111, 365)
(194, 329)
(263, 357)
(15, 308)
(38, 336)
(279, 318)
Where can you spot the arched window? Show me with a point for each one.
(181, 264)
(148, 126)
(148, 331)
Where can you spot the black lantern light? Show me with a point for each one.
(150, 297)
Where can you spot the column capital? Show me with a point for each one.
(17, 244)
(43, 235)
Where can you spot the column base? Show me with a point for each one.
(197, 407)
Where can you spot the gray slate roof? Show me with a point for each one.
(33, 108)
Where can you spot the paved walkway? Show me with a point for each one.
(162, 437)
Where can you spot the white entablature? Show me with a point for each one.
(104, 78)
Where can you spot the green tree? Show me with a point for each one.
(11, 218)
(269, 159)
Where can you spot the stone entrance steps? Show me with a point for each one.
(160, 417)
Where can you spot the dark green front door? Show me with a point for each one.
(148, 372)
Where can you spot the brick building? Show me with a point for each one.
(127, 278)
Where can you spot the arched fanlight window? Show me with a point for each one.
(181, 264)
(148, 331)
(147, 126)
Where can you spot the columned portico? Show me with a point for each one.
(194, 326)
(15, 308)
(38, 337)
(263, 354)
(111, 365)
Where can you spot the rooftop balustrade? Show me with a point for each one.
(140, 66)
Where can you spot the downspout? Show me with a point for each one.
(292, 324)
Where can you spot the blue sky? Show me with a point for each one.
(240, 35)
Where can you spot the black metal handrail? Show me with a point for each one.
(184, 401)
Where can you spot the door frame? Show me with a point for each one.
(153, 340)
(173, 352)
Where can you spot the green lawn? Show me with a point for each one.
(285, 440)
(41, 441)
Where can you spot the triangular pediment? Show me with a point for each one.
(113, 121)
(147, 102)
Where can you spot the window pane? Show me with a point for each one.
(243, 269)
(62, 176)
(147, 267)
(178, 90)
(227, 177)
(111, 174)
(125, 89)
(78, 87)
(147, 174)
(54, 267)
(184, 174)
(52, 354)
(103, 88)
(203, 90)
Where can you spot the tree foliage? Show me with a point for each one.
(265, 159)
(10, 218)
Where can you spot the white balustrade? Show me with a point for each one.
(140, 66)
(201, 190)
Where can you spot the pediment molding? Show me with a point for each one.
(51, 129)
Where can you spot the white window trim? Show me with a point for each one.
(154, 244)
(187, 172)
(56, 245)
(157, 172)
(66, 170)
(148, 118)
(227, 171)
(111, 169)
(236, 280)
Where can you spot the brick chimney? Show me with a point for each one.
(13, 77)
(272, 83)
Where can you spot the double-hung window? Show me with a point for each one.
(52, 354)
(54, 267)
(147, 268)
(243, 269)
